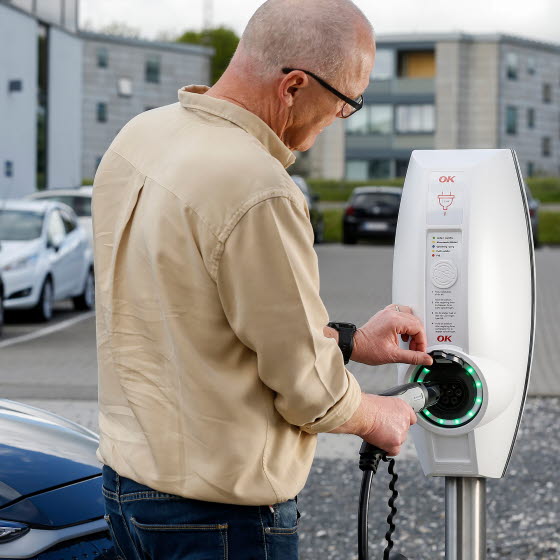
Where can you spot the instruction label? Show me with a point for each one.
(446, 303)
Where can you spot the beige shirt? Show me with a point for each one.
(214, 373)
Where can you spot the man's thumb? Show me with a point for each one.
(414, 358)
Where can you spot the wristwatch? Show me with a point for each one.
(345, 338)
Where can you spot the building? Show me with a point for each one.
(448, 91)
(64, 94)
(123, 77)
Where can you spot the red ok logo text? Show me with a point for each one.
(447, 179)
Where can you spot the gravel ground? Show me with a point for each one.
(523, 509)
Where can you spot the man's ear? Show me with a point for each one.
(291, 85)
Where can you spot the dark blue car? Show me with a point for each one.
(51, 506)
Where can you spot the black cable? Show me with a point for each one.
(393, 513)
(363, 553)
(370, 458)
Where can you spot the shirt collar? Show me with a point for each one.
(191, 96)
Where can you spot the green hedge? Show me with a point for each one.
(545, 189)
(549, 226)
(330, 190)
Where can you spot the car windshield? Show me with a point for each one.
(367, 200)
(20, 225)
(80, 204)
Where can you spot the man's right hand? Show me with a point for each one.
(381, 421)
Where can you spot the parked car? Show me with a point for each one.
(312, 199)
(51, 504)
(45, 257)
(371, 212)
(78, 199)
(1, 303)
(533, 214)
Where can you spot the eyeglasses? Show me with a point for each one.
(350, 106)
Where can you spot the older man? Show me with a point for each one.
(216, 367)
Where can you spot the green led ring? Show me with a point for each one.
(420, 375)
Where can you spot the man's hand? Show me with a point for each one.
(377, 342)
(381, 421)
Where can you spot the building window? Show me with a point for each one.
(416, 64)
(547, 93)
(531, 65)
(362, 170)
(102, 112)
(511, 120)
(357, 170)
(102, 57)
(546, 146)
(530, 168)
(415, 119)
(512, 64)
(401, 167)
(531, 118)
(372, 119)
(379, 169)
(153, 63)
(124, 87)
(384, 68)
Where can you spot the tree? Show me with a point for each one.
(223, 40)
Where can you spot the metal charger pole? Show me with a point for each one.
(465, 518)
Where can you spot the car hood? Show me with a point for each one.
(41, 451)
(12, 250)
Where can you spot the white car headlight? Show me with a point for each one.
(20, 263)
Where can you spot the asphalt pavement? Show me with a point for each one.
(54, 367)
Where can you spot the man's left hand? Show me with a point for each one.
(377, 342)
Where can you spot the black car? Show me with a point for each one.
(1, 305)
(371, 212)
(533, 214)
(51, 505)
(312, 199)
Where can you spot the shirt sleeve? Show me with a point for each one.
(268, 281)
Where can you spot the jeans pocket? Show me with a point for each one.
(185, 541)
(281, 537)
(118, 552)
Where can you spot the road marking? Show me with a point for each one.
(47, 330)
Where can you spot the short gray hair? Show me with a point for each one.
(315, 35)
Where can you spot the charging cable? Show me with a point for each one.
(419, 396)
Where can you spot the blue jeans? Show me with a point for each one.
(150, 525)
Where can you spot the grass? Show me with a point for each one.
(549, 226)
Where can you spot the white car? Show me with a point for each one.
(78, 199)
(45, 256)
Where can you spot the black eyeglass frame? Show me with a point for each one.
(356, 105)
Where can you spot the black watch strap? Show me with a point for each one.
(345, 338)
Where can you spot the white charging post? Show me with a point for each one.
(464, 261)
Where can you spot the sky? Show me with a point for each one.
(536, 19)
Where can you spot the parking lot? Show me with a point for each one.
(54, 366)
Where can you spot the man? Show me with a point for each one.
(216, 367)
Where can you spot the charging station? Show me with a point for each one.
(464, 262)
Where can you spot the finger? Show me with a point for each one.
(412, 357)
(410, 325)
(405, 337)
(413, 418)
